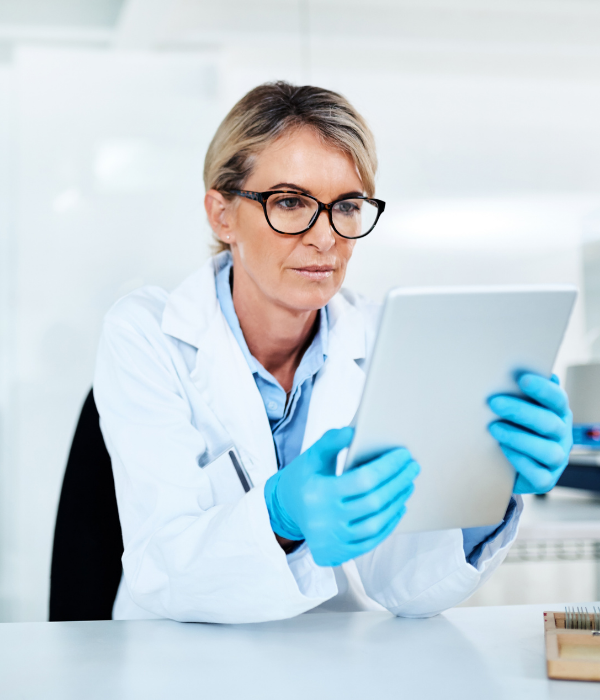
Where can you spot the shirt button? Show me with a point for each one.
(271, 405)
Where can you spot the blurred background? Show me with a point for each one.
(487, 119)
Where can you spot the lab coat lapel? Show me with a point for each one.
(338, 386)
(221, 374)
(226, 383)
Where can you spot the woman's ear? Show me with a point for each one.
(218, 212)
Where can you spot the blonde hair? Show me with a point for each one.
(270, 110)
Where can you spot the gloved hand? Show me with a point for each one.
(340, 517)
(535, 436)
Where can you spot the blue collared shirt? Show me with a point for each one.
(288, 414)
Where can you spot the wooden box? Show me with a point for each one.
(571, 654)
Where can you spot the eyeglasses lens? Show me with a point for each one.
(293, 213)
(290, 213)
(354, 217)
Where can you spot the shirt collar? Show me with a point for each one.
(312, 360)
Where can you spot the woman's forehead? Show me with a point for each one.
(304, 159)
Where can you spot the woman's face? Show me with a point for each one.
(299, 272)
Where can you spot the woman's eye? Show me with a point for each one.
(347, 208)
(289, 203)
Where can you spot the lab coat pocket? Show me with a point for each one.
(229, 480)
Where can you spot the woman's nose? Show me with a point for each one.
(321, 235)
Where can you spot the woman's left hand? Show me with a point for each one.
(535, 437)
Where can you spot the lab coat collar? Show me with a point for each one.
(192, 306)
(347, 333)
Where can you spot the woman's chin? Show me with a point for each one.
(310, 297)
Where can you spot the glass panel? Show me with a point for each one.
(354, 217)
(290, 213)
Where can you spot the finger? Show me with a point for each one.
(325, 451)
(547, 452)
(539, 478)
(546, 392)
(536, 418)
(373, 525)
(523, 485)
(374, 474)
(368, 505)
(357, 549)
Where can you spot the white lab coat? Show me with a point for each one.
(173, 391)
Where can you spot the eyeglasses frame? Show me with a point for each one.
(262, 198)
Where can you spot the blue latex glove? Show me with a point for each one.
(537, 436)
(340, 517)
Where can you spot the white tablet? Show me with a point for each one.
(440, 354)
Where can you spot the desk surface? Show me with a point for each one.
(466, 653)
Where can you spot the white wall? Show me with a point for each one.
(8, 465)
(490, 160)
(107, 187)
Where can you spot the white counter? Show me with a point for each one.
(483, 653)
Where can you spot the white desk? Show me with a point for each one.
(483, 653)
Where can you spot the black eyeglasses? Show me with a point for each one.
(293, 213)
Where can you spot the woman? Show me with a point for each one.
(224, 403)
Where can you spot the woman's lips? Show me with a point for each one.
(314, 272)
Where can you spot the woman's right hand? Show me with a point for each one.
(340, 517)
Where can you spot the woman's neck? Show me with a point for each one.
(276, 336)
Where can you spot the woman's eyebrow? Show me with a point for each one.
(356, 193)
(290, 186)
